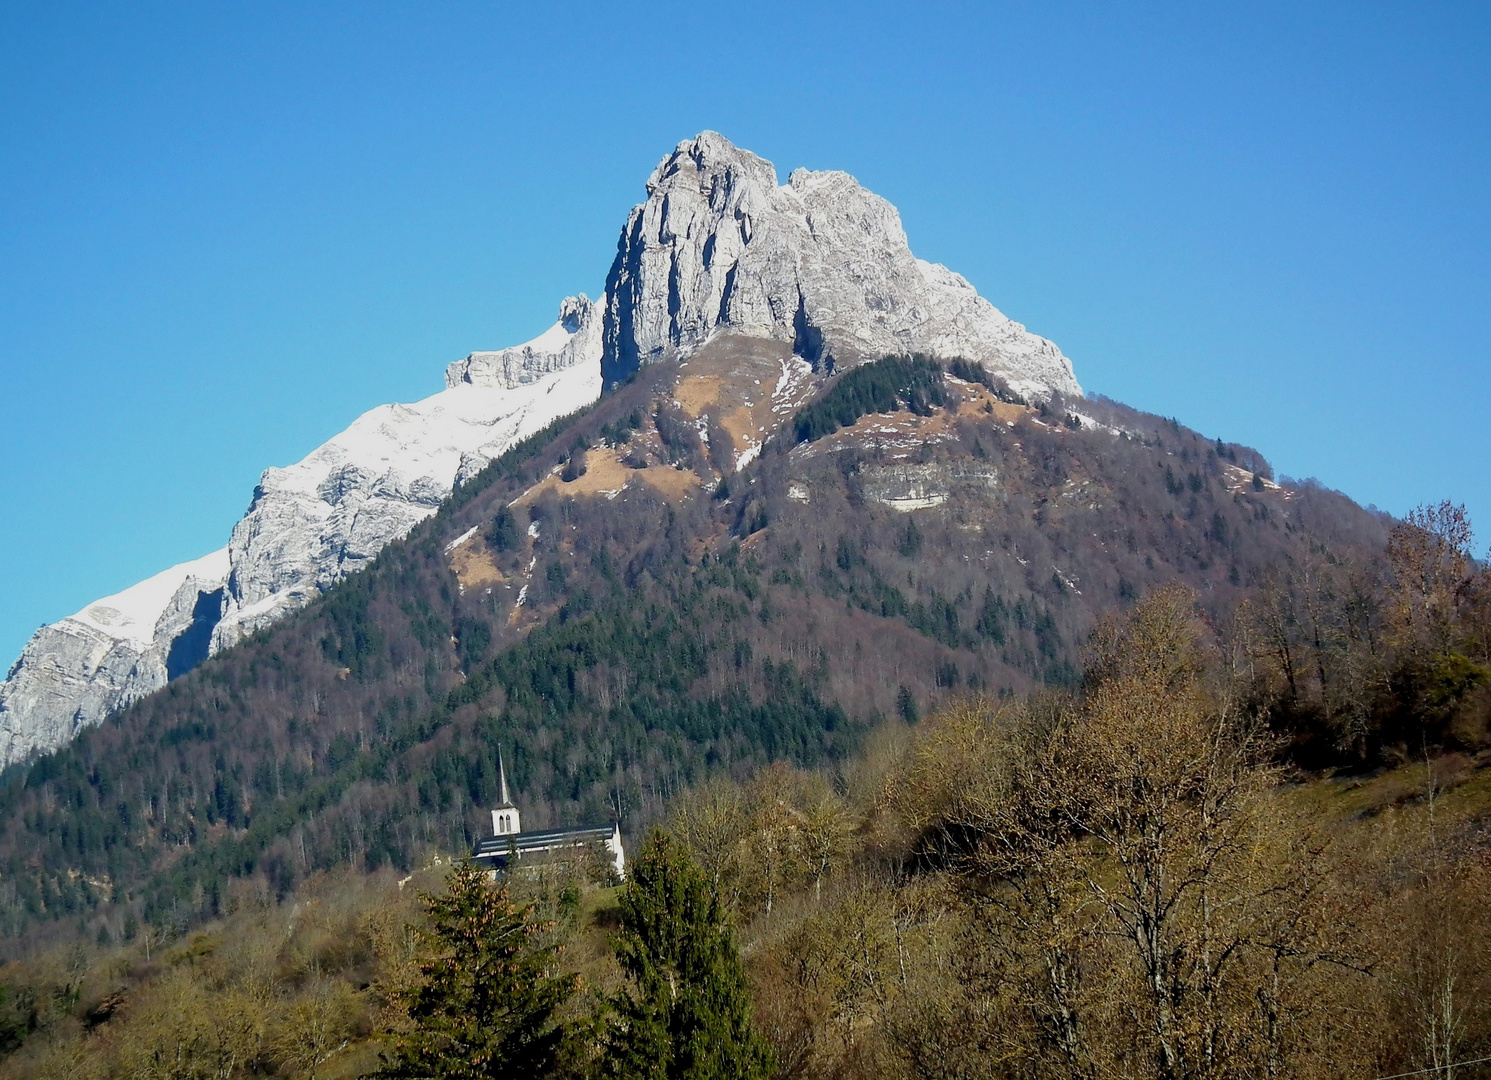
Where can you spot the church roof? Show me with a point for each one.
(496, 847)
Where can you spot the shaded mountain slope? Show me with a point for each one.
(667, 584)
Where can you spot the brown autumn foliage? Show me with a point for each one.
(1376, 661)
(1128, 883)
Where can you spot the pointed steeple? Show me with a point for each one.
(505, 818)
(505, 799)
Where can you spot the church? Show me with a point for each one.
(509, 843)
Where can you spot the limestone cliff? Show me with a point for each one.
(818, 261)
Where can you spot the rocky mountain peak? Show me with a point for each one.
(714, 167)
(819, 262)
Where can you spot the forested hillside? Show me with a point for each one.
(625, 616)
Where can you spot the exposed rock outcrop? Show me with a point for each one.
(818, 261)
(575, 338)
(907, 487)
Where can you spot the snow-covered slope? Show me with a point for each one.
(575, 338)
(326, 516)
(116, 650)
(309, 525)
(818, 262)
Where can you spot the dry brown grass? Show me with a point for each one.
(474, 567)
(696, 391)
(604, 474)
(732, 383)
(670, 483)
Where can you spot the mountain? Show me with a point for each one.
(113, 652)
(818, 263)
(758, 543)
(312, 524)
(625, 612)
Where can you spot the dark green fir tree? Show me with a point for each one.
(688, 1013)
(485, 1004)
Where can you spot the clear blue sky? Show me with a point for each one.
(227, 230)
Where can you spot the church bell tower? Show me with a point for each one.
(505, 820)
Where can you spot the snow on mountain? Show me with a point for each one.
(309, 525)
(718, 245)
(818, 261)
(573, 339)
(116, 650)
(328, 515)
(133, 616)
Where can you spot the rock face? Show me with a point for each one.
(575, 338)
(308, 526)
(818, 261)
(75, 672)
(907, 487)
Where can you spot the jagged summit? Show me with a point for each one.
(574, 338)
(818, 264)
(819, 261)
